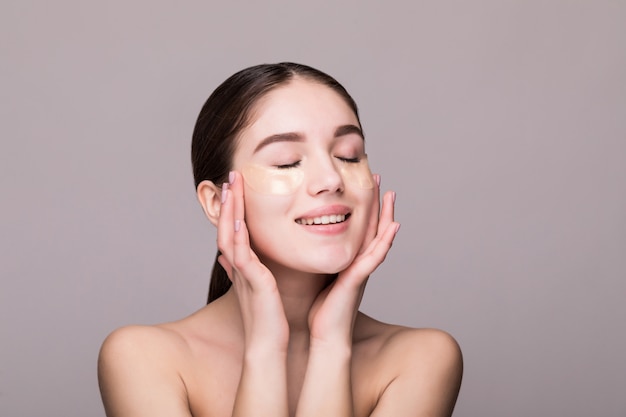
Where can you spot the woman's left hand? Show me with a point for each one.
(332, 315)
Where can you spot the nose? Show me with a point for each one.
(324, 176)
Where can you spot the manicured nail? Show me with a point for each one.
(224, 192)
(231, 177)
(393, 196)
(397, 227)
(237, 225)
(377, 178)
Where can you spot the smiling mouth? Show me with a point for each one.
(329, 219)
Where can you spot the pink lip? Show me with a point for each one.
(325, 211)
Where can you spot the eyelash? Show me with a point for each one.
(288, 166)
(296, 164)
(354, 160)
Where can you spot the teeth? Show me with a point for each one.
(330, 219)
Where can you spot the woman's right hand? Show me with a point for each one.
(264, 321)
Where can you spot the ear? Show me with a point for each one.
(210, 197)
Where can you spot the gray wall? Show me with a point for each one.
(500, 124)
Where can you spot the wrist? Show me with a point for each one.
(267, 340)
(262, 353)
(339, 349)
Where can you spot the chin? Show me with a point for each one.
(311, 266)
(325, 260)
(331, 266)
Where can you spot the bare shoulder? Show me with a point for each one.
(140, 343)
(414, 345)
(426, 348)
(139, 372)
(422, 369)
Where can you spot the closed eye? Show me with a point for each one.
(288, 166)
(349, 160)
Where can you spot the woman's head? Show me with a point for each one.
(230, 109)
(238, 106)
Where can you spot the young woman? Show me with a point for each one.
(281, 170)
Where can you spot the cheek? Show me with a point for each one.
(255, 207)
(363, 210)
(357, 174)
(263, 213)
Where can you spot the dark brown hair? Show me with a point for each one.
(226, 113)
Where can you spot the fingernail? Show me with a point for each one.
(237, 225)
(377, 178)
(393, 195)
(224, 192)
(397, 227)
(231, 177)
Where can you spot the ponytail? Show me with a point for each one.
(220, 283)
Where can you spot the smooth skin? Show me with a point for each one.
(287, 339)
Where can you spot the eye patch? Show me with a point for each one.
(270, 180)
(275, 181)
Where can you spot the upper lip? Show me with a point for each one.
(325, 211)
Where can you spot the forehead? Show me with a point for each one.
(301, 106)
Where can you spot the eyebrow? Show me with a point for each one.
(349, 130)
(298, 137)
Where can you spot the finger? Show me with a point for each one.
(376, 254)
(387, 212)
(236, 191)
(242, 253)
(231, 211)
(376, 250)
(241, 239)
(225, 224)
(372, 225)
(238, 258)
(246, 262)
(386, 218)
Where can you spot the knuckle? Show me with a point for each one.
(239, 263)
(221, 245)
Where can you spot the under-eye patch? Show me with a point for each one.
(271, 180)
(278, 181)
(357, 173)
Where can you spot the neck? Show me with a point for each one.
(298, 291)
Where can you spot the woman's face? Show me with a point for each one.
(303, 162)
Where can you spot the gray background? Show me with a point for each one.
(500, 124)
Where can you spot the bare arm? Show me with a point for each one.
(262, 389)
